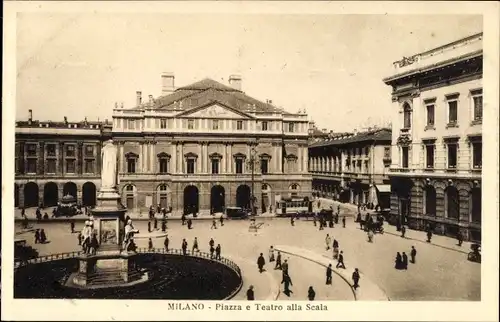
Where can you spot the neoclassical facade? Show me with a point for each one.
(437, 138)
(53, 159)
(353, 167)
(206, 146)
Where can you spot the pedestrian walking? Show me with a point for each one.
(355, 278)
(150, 244)
(403, 231)
(211, 243)
(340, 262)
(217, 252)
(43, 237)
(314, 220)
(284, 267)
(72, 226)
(311, 294)
(329, 274)
(37, 236)
(405, 261)
(370, 236)
(460, 238)
(429, 235)
(343, 222)
(278, 261)
(183, 219)
(399, 261)
(250, 294)
(292, 220)
(149, 226)
(328, 240)
(184, 246)
(271, 254)
(214, 224)
(189, 223)
(155, 223)
(164, 225)
(413, 254)
(288, 282)
(221, 220)
(166, 242)
(261, 262)
(79, 238)
(195, 245)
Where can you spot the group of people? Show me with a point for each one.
(215, 251)
(40, 236)
(402, 260)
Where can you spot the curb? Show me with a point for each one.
(422, 241)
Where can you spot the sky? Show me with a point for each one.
(79, 65)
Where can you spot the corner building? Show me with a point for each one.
(195, 148)
(435, 172)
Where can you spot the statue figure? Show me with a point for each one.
(86, 236)
(128, 238)
(109, 165)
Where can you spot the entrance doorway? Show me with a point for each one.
(31, 195)
(50, 194)
(243, 197)
(217, 199)
(89, 194)
(191, 200)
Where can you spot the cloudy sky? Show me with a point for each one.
(78, 65)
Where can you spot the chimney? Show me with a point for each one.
(151, 100)
(167, 83)
(235, 82)
(30, 117)
(138, 98)
(66, 120)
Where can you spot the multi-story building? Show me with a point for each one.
(435, 172)
(353, 167)
(204, 146)
(53, 159)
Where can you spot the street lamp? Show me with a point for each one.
(252, 162)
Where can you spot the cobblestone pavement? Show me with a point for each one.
(439, 274)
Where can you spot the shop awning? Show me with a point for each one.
(384, 188)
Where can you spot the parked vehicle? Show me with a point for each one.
(236, 213)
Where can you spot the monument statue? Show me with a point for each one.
(128, 239)
(109, 165)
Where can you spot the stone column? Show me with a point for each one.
(61, 158)
(200, 159)
(280, 159)
(230, 158)
(181, 158)
(299, 159)
(41, 158)
(79, 157)
(225, 159)
(173, 165)
(152, 157)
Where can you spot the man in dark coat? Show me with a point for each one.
(155, 223)
(278, 261)
(37, 236)
(284, 267)
(343, 222)
(184, 246)
(311, 294)
(190, 223)
(261, 262)
(163, 225)
(250, 294)
(149, 226)
(287, 281)
(214, 224)
(217, 252)
(403, 231)
(183, 219)
(413, 254)
(221, 220)
(355, 278)
(166, 242)
(460, 238)
(429, 235)
(340, 262)
(329, 275)
(405, 261)
(72, 226)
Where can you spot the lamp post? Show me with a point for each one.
(252, 162)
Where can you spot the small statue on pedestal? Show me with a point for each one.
(128, 240)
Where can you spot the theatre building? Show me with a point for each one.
(206, 146)
(437, 105)
(353, 167)
(54, 159)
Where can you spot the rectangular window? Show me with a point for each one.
(215, 124)
(405, 157)
(190, 124)
(51, 166)
(163, 123)
(264, 125)
(367, 149)
(131, 124)
(452, 155)
(51, 150)
(477, 155)
(478, 107)
(215, 166)
(163, 165)
(70, 150)
(291, 127)
(89, 166)
(239, 125)
(190, 166)
(89, 150)
(31, 166)
(31, 148)
(430, 115)
(239, 166)
(131, 165)
(359, 165)
(366, 167)
(452, 112)
(70, 166)
(264, 166)
(429, 155)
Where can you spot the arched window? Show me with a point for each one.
(452, 203)
(406, 116)
(430, 201)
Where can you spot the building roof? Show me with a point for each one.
(377, 135)
(206, 91)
